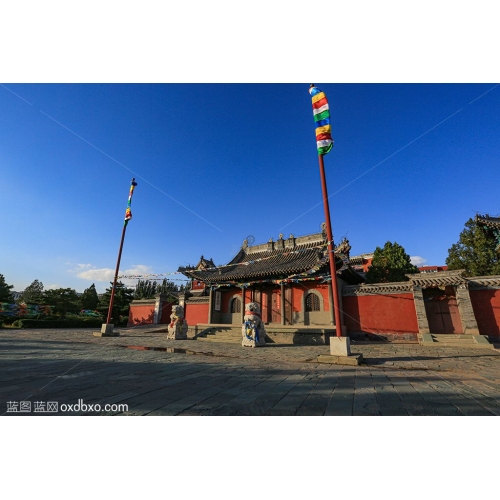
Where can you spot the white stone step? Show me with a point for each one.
(465, 341)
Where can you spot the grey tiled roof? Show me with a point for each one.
(486, 220)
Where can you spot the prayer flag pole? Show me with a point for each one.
(331, 248)
(107, 328)
(324, 143)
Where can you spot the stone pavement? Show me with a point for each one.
(42, 370)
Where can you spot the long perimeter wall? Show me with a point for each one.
(397, 309)
(380, 309)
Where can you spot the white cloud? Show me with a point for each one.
(103, 274)
(418, 261)
(92, 273)
(53, 287)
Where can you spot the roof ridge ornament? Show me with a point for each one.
(248, 241)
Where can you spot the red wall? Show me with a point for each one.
(197, 285)
(380, 313)
(141, 314)
(486, 306)
(226, 298)
(196, 313)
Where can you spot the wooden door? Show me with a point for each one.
(443, 315)
(456, 320)
(166, 311)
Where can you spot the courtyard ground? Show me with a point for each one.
(49, 372)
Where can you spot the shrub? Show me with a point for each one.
(58, 323)
(9, 320)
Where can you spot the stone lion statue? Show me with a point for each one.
(178, 327)
(253, 331)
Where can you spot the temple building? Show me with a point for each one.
(361, 263)
(288, 278)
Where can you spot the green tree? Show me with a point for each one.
(63, 301)
(121, 302)
(475, 251)
(168, 287)
(5, 291)
(89, 298)
(146, 289)
(389, 264)
(33, 294)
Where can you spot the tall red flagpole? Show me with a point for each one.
(325, 143)
(128, 216)
(113, 289)
(331, 249)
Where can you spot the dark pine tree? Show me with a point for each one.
(89, 298)
(33, 294)
(5, 291)
(389, 264)
(121, 303)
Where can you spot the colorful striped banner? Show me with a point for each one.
(321, 113)
(128, 211)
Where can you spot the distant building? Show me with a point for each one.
(16, 295)
(361, 263)
(432, 269)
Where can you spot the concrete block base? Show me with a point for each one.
(340, 346)
(352, 360)
(107, 331)
(482, 341)
(427, 339)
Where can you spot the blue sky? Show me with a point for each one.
(218, 162)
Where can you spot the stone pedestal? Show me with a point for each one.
(178, 327)
(252, 336)
(253, 331)
(107, 331)
(340, 353)
(178, 331)
(340, 346)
